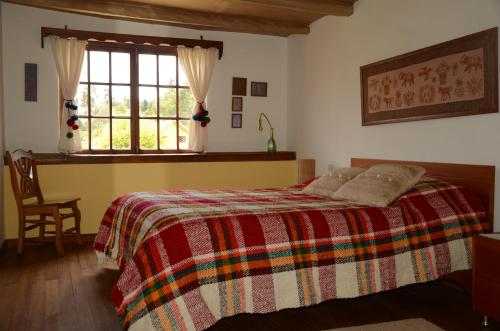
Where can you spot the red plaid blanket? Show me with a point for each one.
(189, 258)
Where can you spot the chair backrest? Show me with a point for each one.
(27, 187)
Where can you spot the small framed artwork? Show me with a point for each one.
(239, 86)
(258, 89)
(236, 121)
(237, 104)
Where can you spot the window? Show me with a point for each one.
(133, 99)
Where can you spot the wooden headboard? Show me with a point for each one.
(480, 179)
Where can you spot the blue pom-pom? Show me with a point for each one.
(70, 105)
(74, 117)
(197, 118)
(201, 113)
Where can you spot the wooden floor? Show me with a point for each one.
(43, 292)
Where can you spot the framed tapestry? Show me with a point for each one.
(455, 78)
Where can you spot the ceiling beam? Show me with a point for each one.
(320, 7)
(169, 16)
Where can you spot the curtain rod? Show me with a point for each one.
(136, 39)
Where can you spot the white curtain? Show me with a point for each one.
(68, 55)
(198, 64)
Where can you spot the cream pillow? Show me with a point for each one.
(380, 185)
(332, 181)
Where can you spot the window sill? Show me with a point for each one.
(59, 158)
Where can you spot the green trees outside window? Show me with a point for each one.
(107, 108)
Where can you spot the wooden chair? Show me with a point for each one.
(28, 187)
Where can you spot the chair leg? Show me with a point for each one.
(21, 234)
(58, 221)
(78, 218)
(41, 233)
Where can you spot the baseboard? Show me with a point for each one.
(12, 243)
(462, 278)
(4, 246)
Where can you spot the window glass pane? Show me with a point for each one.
(167, 69)
(121, 100)
(84, 132)
(147, 69)
(121, 134)
(182, 77)
(120, 68)
(183, 134)
(147, 101)
(168, 102)
(148, 134)
(99, 67)
(186, 103)
(100, 133)
(168, 134)
(84, 73)
(99, 100)
(81, 99)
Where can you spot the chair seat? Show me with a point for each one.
(47, 203)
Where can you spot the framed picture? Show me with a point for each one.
(239, 86)
(237, 104)
(30, 82)
(258, 89)
(236, 121)
(455, 78)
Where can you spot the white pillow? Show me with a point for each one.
(332, 181)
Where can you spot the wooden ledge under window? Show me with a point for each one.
(59, 158)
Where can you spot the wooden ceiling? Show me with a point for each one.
(269, 17)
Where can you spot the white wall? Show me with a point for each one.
(324, 85)
(33, 125)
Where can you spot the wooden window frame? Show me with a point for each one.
(130, 38)
(134, 50)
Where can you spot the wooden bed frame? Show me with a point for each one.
(480, 179)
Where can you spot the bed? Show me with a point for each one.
(190, 258)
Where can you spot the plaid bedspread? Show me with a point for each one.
(189, 258)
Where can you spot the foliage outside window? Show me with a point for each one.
(133, 99)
